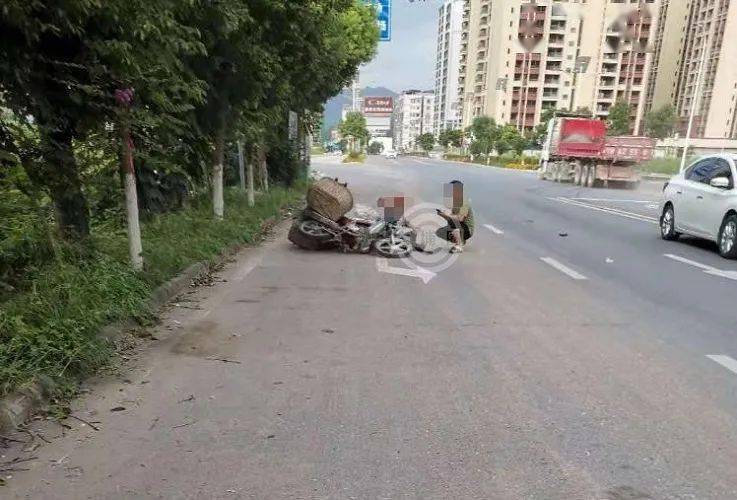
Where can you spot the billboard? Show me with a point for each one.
(383, 17)
(378, 105)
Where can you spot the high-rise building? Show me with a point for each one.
(520, 57)
(446, 115)
(694, 30)
(413, 116)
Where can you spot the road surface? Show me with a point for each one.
(569, 353)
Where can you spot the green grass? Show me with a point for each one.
(354, 157)
(49, 323)
(660, 166)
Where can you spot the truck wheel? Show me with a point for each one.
(590, 176)
(578, 177)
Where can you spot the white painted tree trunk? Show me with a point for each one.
(134, 228)
(250, 190)
(241, 166)
(135, 246)
(218, 204)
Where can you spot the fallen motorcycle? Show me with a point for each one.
(313, 231)
(323, 224)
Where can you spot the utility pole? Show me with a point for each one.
(695, 99)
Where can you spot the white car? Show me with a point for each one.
(391, 154)
(701, 201)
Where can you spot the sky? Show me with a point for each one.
(408, 60)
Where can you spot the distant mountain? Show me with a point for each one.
(334, 107)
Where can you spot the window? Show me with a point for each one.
(702, 171)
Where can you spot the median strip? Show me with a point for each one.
(563, 268)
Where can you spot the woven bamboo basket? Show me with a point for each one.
(329, 198)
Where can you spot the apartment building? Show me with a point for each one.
(446, 115)
(692, 31)
(413, 116)
(520, 57)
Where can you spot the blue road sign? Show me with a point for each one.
(383, 17)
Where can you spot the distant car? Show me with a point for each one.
(701, 201)
(391, 154)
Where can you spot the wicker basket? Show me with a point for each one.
(329, 198)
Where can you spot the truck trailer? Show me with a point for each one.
(578, 150)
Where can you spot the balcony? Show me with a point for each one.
(555, 53)
(557, 26)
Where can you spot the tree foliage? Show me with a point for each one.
(202, 72)
(484, 132)
(353, 128)
(375, 148)
(425, 141)
(451, 137)
(661, 123)
(618, 121)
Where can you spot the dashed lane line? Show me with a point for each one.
(563, 268)
(493, 229)
(726, 361)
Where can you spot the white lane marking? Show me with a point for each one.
(562, 268)
(689, 262)
(726, 361)
(611, 211)
(493, 229)
(713, 271)
(611, 199)
(420, 161)
(382, 265)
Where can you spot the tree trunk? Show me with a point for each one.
(217, 174)
(249, 178)
(241, 166)
(263, 169)
(131, 199)
(60, 175)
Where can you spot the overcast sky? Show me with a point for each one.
(408, 60)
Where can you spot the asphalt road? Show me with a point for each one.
(568, 353)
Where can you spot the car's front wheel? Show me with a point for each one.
(668, 224)
(728, 237)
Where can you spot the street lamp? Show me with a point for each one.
(694, 100)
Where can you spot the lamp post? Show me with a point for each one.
(694, 100)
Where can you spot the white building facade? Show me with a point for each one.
(446, 113)
(413, 116)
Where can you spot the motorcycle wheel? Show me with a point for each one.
(314, 230)
(300, 239)
(400, 248)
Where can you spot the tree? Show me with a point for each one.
(375, 148)
(425, 141)
(484, 133)
(60, 67)
(510, 140)
(661, 123)
(354, 129)
(448, 138)
(618, 121)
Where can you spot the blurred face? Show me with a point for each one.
(453, 195)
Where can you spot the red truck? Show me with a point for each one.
(577, 149)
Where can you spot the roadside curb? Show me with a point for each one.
(656, 177)
(17, 407)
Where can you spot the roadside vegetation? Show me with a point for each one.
(129, 135)
(669, 166)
